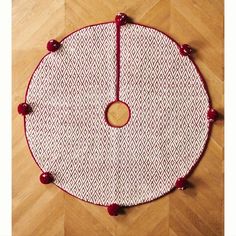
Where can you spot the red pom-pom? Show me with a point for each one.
(113, 209)
(46, 178)
(212, 115)
(53, 45)
(121, 19)
(181, 183)
(24, 109)
(185, 50)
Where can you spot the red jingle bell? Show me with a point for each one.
(24, 109)
(53, 45)
(113, 209)
(185, 50)
(181, 183)
(121, 19)
(212, 115)
(46, 178)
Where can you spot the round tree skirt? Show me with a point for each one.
(119, 112)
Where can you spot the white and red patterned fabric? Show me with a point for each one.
(67, 132)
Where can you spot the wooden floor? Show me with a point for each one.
(46, 210)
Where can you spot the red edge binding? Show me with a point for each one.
(202, 80)
(120, 19)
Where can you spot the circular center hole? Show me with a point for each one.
(117, 114)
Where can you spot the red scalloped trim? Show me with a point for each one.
(202, 80)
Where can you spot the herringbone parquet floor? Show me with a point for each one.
(45, 210)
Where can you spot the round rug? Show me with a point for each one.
(94, 157)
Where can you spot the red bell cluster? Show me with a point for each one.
(113, 209)
(181, 183)
(185, 50)
(53, 45)
(212, 115)
(46, 178)
(121, 19)
(24, 109)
